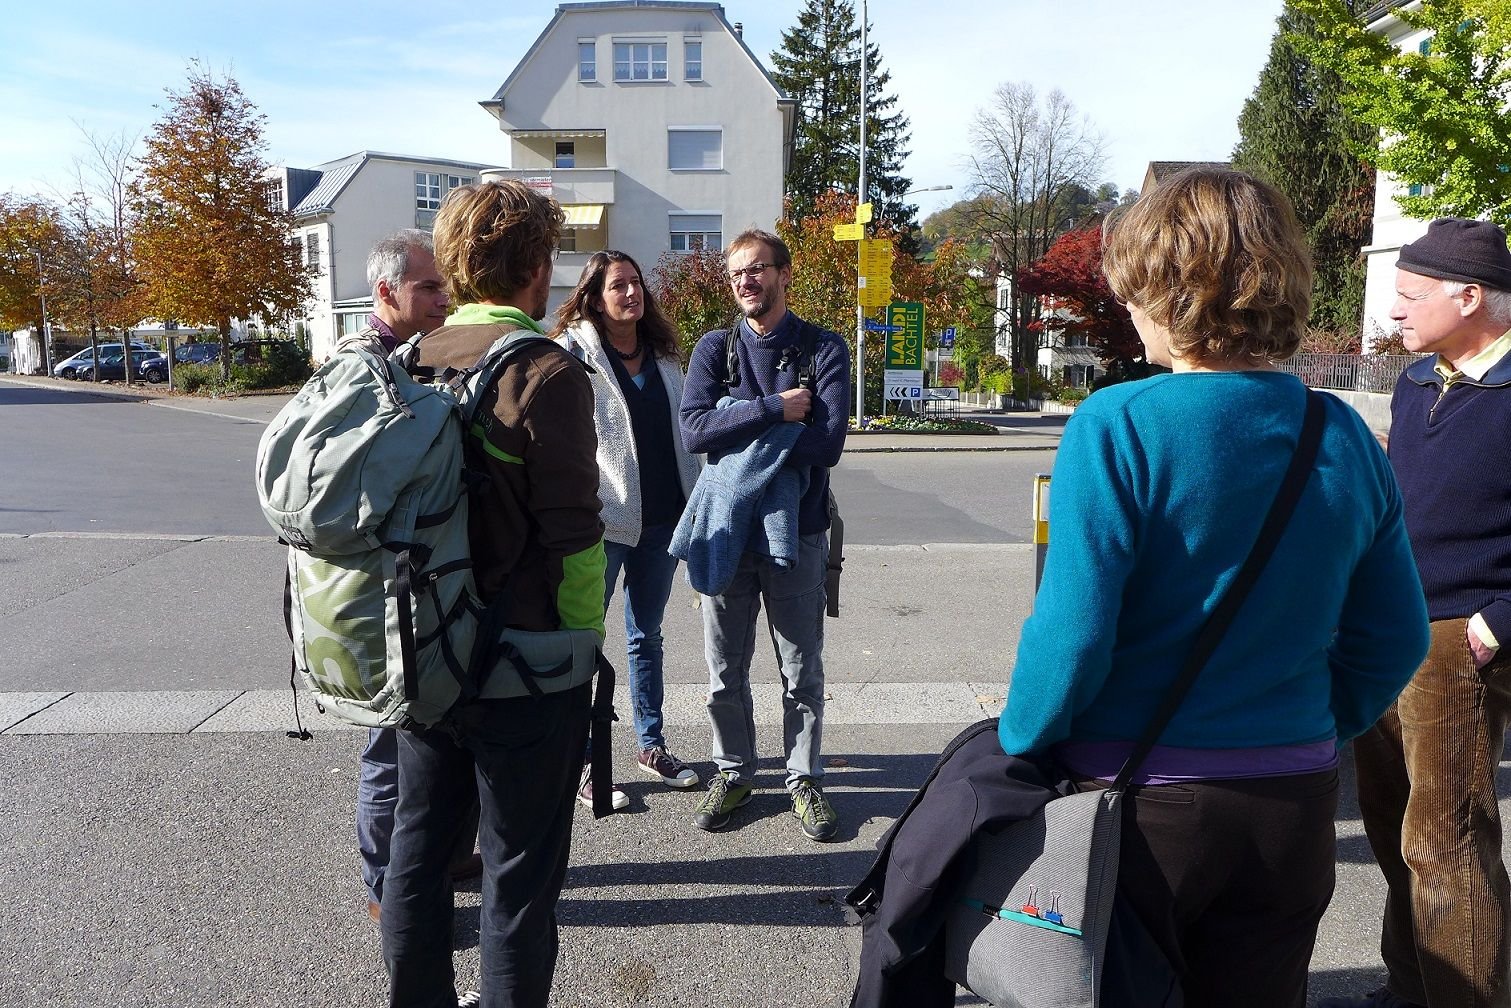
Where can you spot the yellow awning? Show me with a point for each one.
(583, 215)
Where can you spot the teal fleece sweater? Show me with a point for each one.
(1159, 489)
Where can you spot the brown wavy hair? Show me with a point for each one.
(1216, 257)
(491, 237)
(653, 327)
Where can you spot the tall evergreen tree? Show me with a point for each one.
(1295, 133)
(818, 65)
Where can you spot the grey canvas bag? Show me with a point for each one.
(1028, 929)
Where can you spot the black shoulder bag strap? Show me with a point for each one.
(1217, 624)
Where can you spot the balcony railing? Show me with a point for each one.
(1350, 372)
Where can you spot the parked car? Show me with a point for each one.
(72, 367)
(196, 353)
(112, 367)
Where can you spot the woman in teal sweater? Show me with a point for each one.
(1160, 487)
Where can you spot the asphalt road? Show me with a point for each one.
(77, 462)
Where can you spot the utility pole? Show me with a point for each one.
(860, 197)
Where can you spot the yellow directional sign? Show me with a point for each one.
(874, 264)
(874, 292)
(874, 257)
(863, 214)
(849, 232)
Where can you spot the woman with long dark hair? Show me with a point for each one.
(613, 323)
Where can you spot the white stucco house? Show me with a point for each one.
(1392, 228)
(341, 208)
(652, 123)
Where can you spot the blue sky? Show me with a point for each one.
(1161, 79)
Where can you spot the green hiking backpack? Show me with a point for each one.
(362, 475)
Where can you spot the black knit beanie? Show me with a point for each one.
(1469, 251)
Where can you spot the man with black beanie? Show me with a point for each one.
(1427, 769)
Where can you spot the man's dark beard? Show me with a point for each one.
(761, 307)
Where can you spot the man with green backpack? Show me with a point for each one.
(537, 556)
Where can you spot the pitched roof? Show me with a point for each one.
(335, 175)
(1162, 170)
(714, 9)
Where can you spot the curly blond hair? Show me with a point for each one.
(1216, 257)
(491, 237)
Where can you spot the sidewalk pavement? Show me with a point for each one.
(1023, 431)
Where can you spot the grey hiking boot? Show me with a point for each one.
(723, 797)
(813, 811)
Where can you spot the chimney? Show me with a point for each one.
(739, 30)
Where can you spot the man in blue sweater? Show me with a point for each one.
(1427, 769)
(770, 349)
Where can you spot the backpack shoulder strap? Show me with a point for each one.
(478, 379)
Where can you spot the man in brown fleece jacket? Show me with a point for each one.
(537, 547)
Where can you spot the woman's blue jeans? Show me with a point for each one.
(648, 569)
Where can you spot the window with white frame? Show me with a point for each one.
(640, 61)
(275, 194)
(587, 60)
(692, 59)
(695, 148)
(431, 187)
(691, 232)
(312, 248)
(427, 191)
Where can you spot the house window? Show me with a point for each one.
(1425, 46)
(695, 149)
(568, 242)
(427, 191)
(566, 154)
(1079, 375)
(639, 61)
(692, 60)
(691, 232)
(431, 187)
(587, 61)
(275, 194)
(312, 249)
(1003, 299)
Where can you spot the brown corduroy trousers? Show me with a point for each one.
(1427, 792)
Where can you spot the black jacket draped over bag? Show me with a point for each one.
(903, 900)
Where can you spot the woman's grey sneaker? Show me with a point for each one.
(618, 800)
(813, 811)
(660, 763)
(723, 797)
(471, 999)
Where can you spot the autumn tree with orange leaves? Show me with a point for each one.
(209, 245)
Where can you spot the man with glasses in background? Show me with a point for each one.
(782, 369)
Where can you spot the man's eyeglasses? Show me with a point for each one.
(754, 271)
